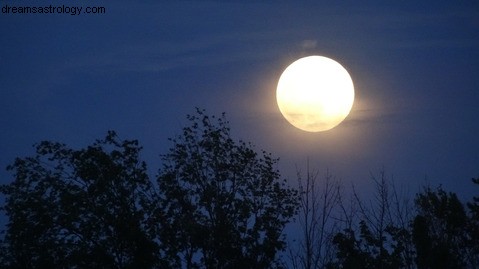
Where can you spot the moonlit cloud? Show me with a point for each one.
(309, 44)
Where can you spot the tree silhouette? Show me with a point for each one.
(379, 234)
(216, 203)
(440, 230)
(224, 205)
(440, 233)
(472, 241)
(79, 208)
(318, 199)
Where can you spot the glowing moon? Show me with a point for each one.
(315, 93)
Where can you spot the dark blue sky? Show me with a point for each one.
(140, 68)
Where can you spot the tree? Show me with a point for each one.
(224, 205)
(440, 230)
(439, 233)
(382, 237)
(79, 208)
(316, 221)
(472, 241)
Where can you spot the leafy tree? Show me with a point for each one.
(79, 208)
(367, 250)
(472, 241)
(440, 230)
(350, 252)
(224, 205)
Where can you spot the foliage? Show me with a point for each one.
(440, 234)
(79, 208)
(224, 204)
(381, 238)
(217, 203)
(472, 244)
(444, 234)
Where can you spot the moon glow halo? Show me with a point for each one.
(315, 93)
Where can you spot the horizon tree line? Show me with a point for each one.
(218, 203)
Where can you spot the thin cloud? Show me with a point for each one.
(163, 55)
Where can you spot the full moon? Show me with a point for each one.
(315, 93)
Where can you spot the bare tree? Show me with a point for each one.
(318, 200)
(384, 225)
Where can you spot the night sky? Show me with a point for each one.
(140, 68)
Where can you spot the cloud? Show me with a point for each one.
(309, 44)
(364, 31)
(159, 54)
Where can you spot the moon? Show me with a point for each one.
(315, 93)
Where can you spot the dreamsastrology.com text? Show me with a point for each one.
(52, 9)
